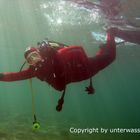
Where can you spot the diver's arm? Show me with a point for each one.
(107, 53)
(16, 76)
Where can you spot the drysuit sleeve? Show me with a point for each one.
(105, 55)
(16, 76)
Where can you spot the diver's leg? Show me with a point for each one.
(104, 56)
(130, 36)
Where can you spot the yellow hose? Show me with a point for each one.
(33, 97)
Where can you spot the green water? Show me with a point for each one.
(116, 101)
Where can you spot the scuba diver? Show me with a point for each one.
(59, 64)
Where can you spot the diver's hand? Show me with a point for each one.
(90, 89)
(60, 104)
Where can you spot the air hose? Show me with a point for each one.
(36, 124)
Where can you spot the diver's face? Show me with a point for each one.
(33, 58)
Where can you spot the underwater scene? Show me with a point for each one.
(28, 107)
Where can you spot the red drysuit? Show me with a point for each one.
(69, 64)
